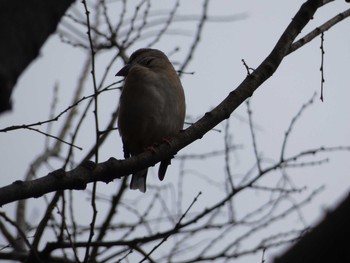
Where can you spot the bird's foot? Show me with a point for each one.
(151, 148)
(167, 140)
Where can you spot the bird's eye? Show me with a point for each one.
(146, 61)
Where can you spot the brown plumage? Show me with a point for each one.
(151, 107)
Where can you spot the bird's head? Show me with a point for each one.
(146, 57)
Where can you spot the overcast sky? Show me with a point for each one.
(218, 70)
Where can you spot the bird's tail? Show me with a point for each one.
(138, 180)
(162, 169)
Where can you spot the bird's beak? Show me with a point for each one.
(124, 71)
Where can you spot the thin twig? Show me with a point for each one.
(322, 65)
(319, 30)
(197, 37)
(175, 228)
(97, 133)
(292, 123)
(253, 136)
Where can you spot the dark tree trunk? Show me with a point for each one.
(24, 27)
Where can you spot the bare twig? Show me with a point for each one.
(178, 224)
(322, 65)
(292, 123)
(97, 131)
(253, 136)
(319, 30)
(197, 37)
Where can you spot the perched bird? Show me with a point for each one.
(151, 107)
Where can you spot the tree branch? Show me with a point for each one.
(107, 171)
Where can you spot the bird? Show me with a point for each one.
(151, 109)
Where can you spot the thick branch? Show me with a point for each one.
(112, 169)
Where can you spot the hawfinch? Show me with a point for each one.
(151, 107)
